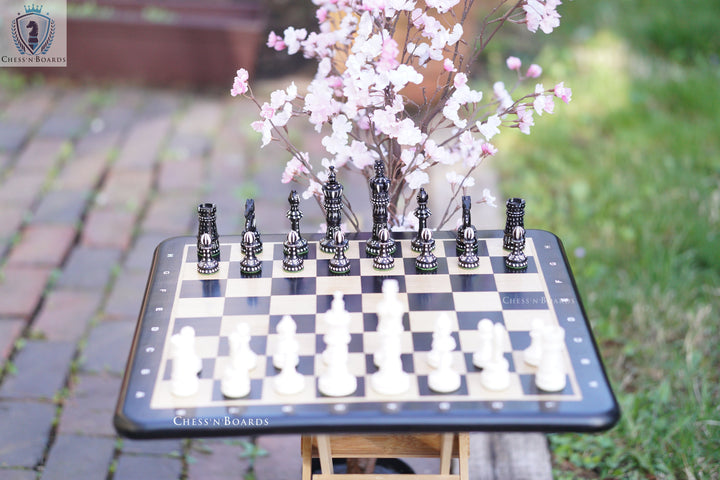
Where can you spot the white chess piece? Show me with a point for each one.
(390, 313)
(442, 340)
(287, 343)
(483, 354)
(496, 374)
(184, 381)
(241, 355)
(443, 378)
(533, 353)
(337, 320)
(337, 381)
(289, 381)
(235, 382)
(551, 375)
(188, 335)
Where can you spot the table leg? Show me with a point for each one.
(306, 450)
(325, 454)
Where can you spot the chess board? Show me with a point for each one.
(177, 295)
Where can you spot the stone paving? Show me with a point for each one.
(91, 180)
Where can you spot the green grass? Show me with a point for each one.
(628, 176)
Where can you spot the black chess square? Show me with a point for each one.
(410, 269)
(293, 286)
(303, 323)
(373, 283)
(470, 320)
(323, 268)
(247, 306)
(353, 303)
(422, 341)
(498, 266)
(476, 282)
(204, 326)
(424, 388)
(430, 301)
(202, 288)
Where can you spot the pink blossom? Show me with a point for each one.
(489, 128)
(534, 71)
(525, 119)
(448, 65)
(389, 54)
(460, 80)
(293, 168)
(563, 92)
(275, 42)
(321, 14)
(489, 149)
(488, 198)
(513, 63)
(267, 111)
(240, 83)
(441, 6)
(542, 15)
(293, 38)
(417, 179)
(265, 128)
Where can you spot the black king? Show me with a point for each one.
(380, 199)
(333, 203)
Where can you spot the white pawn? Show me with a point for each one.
(443, 378)
(184, 381)
(551, 375)
(241, 355)
(289, 381)
(442, 340)
(496, 374)
(390, 379)
(533, 353)
(482, 356)
(337, 320)
(287, 344)
(390, 309)
(188, 335)
(235, 382)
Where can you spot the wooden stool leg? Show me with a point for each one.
(325, 454)
(306, 451)
(463, 455)
(446, 453)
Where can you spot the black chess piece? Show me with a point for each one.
(206, 262)
(515, 217)
(384, 260)
(294, 215)
(469, 258)
(292, 261)
(422, 212)
(250, 225)
(250, 264)
(426, 261)
(339, 264)
(380, 199)
(517, 259)
(333, 203)
(207, 223)
(466, 223)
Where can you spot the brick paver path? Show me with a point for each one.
(91, 180)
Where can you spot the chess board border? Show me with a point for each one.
(596, 410)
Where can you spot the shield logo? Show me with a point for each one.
(33, 33)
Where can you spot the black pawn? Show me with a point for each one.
(469, 259)
(294, 215)
(426, 261)
(292, 261)
(250, 264)
(206, 262)
(339, 264)
(422, 212)
(466, 223)
(383, 260)
(250, 224)
(517, 259)
(515, 217)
